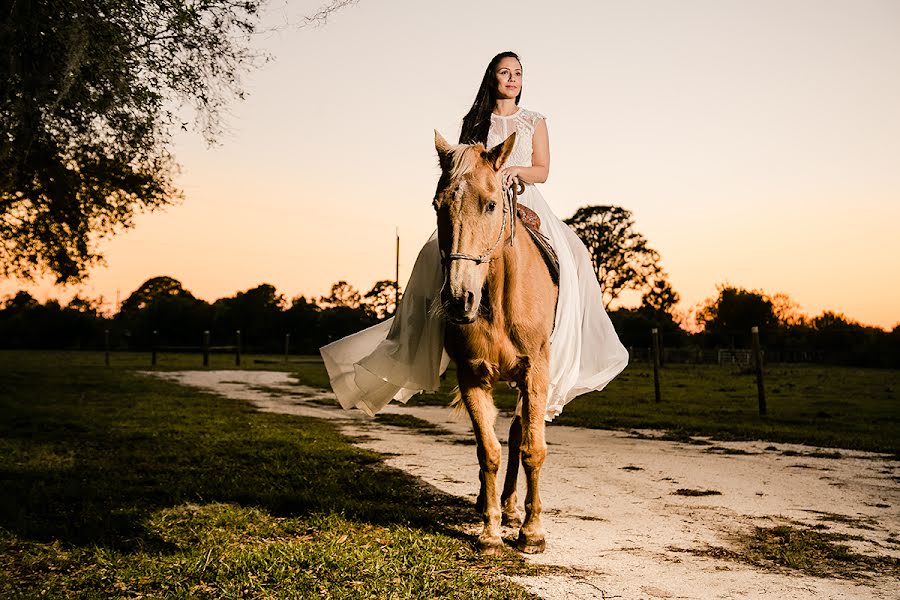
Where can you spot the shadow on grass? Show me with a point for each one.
(89, 453)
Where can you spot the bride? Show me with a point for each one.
(405, 355)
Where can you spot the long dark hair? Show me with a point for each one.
(477, 121)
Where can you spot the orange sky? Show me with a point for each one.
(756, 142)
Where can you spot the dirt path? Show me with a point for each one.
(615, 527)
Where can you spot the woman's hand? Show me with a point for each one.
(510, 176)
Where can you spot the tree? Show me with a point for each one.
(87, 108)
(85, 305)
(151, 291)
(621, 256)
(257, 313)
(633, 326)
(26, 323)
(342, 294)
(302, 322)
(661, 296)
(20, 303)
(320, 17)
(787, 311)
(381, 299)
(162, 304)
(727, 318)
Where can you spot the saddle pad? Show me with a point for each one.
(547, 251)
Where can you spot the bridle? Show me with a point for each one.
(510, 203)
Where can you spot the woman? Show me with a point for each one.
(405, 355)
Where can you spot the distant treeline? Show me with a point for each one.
(264, 317)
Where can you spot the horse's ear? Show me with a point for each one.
(497, 155)
(445, 154)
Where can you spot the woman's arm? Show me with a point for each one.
(540, 159)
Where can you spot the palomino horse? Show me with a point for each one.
(499, 303)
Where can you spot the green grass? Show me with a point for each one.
(834, 407)
(820, 406)
(411, 422)
(165, 361)
(837, 407)
(806, 550)
(120, 485)
(693, 492)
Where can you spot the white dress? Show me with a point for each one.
(405, 355)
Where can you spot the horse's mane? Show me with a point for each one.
(465, 157)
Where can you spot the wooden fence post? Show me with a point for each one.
(662, 349)
(757, 359)
(154, 343)
(237, 348)
(654, 333)
(206, 348)
(287, 346)
(106, 347)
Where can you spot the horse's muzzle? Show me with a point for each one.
(461, 310)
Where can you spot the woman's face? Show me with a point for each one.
(509, 78)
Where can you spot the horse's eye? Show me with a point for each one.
(491, 206)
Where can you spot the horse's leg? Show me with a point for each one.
(479, 501)
(480, 405)
(508, 499)
(534, 450)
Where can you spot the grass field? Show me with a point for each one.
(822, 406)
(838, 407)
(119, 485)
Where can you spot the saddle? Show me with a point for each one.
(532, 223)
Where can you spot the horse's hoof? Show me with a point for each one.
(490, 546)
(531, 545)
(512, 520)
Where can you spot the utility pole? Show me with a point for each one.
(397, 274)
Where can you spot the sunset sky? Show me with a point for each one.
(756, 142)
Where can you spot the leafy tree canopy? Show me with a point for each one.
(622, 258)
(21, 302)
(153, 290)
(381, 299)
(87, 107)
(661, 296)
(729, 316)
(342, 294)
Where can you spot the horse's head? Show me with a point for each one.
(473, 221)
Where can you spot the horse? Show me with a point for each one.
(498, 300)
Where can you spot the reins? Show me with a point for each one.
(510, 204)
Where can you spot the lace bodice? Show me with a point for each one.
(523, 123)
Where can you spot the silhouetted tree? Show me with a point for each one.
(85, 306)
(844, 340)
(256, 313)
(26, 323)
(320, 17)
(340, 321)
(633, 326)
(152, 290)
(302, 321)
(21, 303)
(87, 109)
(661, 296)
(381, 299)
(342, 294)
(161, 304)
(727, 318)
(621, 256)
(787, 311)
